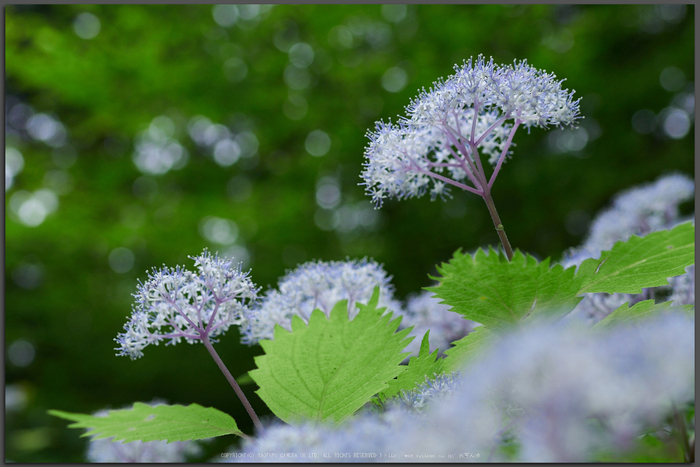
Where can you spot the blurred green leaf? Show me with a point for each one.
(145, 423)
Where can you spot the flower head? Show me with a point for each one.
(423, 394)
(317, 285)
(448, 126)
(637, 211)
(177, 304)
(519, 91)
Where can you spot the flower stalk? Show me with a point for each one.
(233, 383)
(176, 304)
(497, 223)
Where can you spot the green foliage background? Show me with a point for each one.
(169, 60)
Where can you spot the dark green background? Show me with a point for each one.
(155, 60)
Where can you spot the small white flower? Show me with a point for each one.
(317, 285)
(449, 126)
(177, 304)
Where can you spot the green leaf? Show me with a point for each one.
(244, 379)
(639, 262)
(425, 364)
(499, 293)
(144, 422)
(644, 309)
(329, 369)
(467, 348)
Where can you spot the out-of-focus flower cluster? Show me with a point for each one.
(683, 287)
(448, 126)
(177, 304)
(534, 397)
(637, 211)
(321, 285)
(106, 450)
(317, 285)
(440, 387)
(425, 312)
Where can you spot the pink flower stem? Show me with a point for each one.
(503, 153)
(486, 194)
(454, 136)
(497, 222)
(232, 382)
(419, 169)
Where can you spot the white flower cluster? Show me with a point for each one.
(366, 433)
(441, 387)
(177, 304)
(637, 211)
(519, 91)
(683, 287)
(447, 127)
(317, 284)
(596, 306)
(425, 312)
(106, 450)
(539, 388)
(405, 161)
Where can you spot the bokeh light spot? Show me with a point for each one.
(296, 78)
(340, 37)
(318, 143)
(672, 79)
(248, 143)
(301, 55)
(676, 123)
(121, 260)
(21, 353)
(394, 79)
(28, 275)
(14, 163)
(86, 26)
(226, 152)
(225, 15)
(239, 254)
(15, 398)
(327, 193)
(218, 230)
(394, 12)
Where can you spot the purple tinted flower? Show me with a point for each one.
(638, 211)
(321, 285)
(177, 304)
(439, 388)
(449, 126)
(425, 312)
